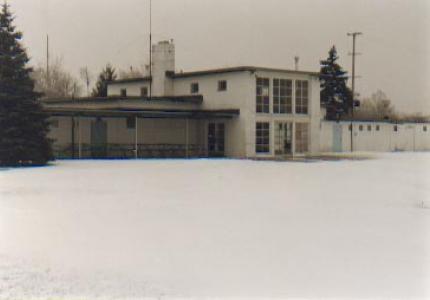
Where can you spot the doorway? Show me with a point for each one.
(216, 139)
(98, 139)
(283, 138)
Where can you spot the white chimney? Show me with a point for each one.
(163, 60)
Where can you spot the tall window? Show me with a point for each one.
(302, 137)
(123, 92)
(262, 137)
(194, 88)
(302, 97)
(282, 96)
(263, 101)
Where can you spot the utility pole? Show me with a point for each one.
(47, 61)
(354, 54)
(150, 50)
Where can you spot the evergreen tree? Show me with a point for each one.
(23, 124)
(334, 92)
(107, 75)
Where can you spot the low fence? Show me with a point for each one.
(128, 151)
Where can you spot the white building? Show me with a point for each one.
(240, 112)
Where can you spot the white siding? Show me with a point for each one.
(408, 137)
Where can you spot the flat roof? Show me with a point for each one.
(238, 69)
(130, 80)
(172, 74)
(143, 113)
(189, 99)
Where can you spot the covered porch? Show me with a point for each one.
(83, 133)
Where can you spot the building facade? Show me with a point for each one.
(239, 112)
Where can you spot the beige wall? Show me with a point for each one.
(240, 91)
(409, 137)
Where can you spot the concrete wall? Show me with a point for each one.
(133, 88)
(408, 137)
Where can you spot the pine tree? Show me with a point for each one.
(23, 124)
(334, 92)
(107, 75)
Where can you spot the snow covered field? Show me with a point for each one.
(217, 228)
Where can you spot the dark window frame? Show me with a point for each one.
(282, 96)
(302, 97)
(262, 95)
(262, 137)
(194, 87)
(222, 85)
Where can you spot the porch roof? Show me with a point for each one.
(142, 113)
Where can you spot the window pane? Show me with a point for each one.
(262, 137)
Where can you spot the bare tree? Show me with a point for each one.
(377, 107)
(131, 73)
(86, 78)
(58, 84)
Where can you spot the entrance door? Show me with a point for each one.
(98, 139)
(337, 137)
(216, 140)
(283, 138)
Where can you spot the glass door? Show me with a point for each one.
(283, 138)
(216, 139)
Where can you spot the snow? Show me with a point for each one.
(217, 229)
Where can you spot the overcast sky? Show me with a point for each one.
(218, 33)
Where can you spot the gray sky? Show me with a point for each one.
(219, 33)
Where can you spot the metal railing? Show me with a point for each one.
(128, 151)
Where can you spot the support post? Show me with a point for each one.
(186, 138)
(136, 145)
(79, 138)
(73, 137)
